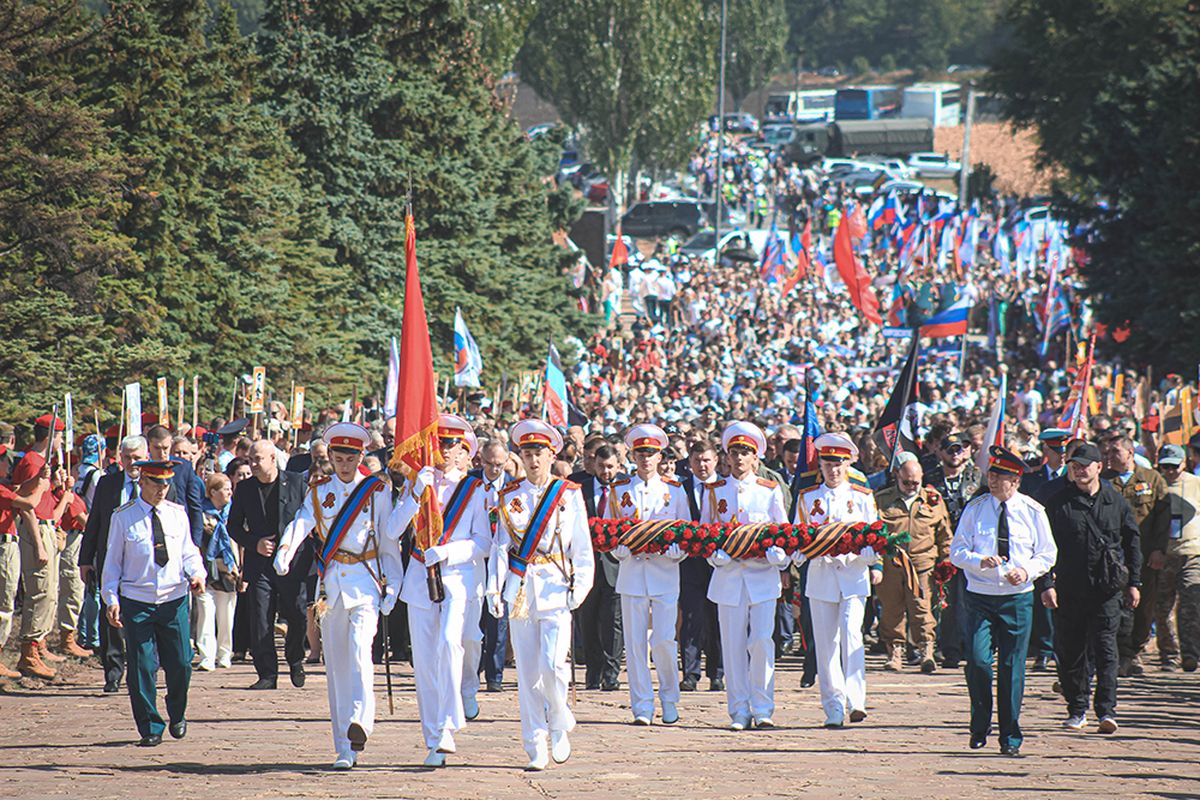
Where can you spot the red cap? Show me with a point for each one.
(45, 419)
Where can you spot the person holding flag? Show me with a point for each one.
(438, 628)
(359, 570)
(541, 569)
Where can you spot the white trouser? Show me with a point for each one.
(437, 652)
(540, 644)
(472, 643)
(841, 664)
(650, 621)
(748, 653)
(214, 627)
(346, 637)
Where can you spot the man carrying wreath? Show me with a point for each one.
(745, 590)
(838, 586)
(649, 582)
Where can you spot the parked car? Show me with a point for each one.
(934, 165)
(678, 218)
(894, 166)
(735, 245)
(915, 187)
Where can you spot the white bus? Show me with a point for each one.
(940, 103)
(805, 106)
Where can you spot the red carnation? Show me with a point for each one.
(687, 534)
(876, 525)
(669, 536)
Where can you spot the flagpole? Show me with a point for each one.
(962, 358)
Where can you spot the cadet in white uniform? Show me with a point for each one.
(838, 586)
(745, 590)
(438, 628)
(557, 576)
(361, 579)
(649, 583)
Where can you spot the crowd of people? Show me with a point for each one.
(1069, 539)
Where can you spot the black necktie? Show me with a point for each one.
(160, 539)
(1002, 533)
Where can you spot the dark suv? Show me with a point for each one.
(680, 218)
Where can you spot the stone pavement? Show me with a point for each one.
(69, 740)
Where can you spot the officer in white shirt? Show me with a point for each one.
(838, 586)
(541, 570)
(438, 627)
(360, 571)
(1002, 543)
(150, 564)
(648, 583)
(745, 590)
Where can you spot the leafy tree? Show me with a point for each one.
(756, 36)
(380, 96)
(498, 28)
(1114, 95)
(69, 281)
(631, 75)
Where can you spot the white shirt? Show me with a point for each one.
(1030, 544)
(129, 568)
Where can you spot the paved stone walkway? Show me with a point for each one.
(68, 739)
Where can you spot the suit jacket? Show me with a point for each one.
(188, 491)
(608, 565)
(248, 523)
(94, 545)
(693, 570)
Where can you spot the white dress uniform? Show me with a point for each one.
(438, 629)
(745, 591)
(648, 584)
(837, 590)
(541, 632)
(353, 595)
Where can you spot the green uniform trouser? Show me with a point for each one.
(1005, 621)
(162, 629)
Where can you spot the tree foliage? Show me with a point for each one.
(1113, 92)
(632, 75)
(498, 28)
(922, 34)
(755, 42)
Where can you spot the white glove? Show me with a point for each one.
(389, 602)
(434, 555)
(720, 559)
(776, 557)
(423, 481)
(799, 559)
(495, 605)
(574, 600)
(281, 563)
(511, 587)
(675, 552)
(621, 552)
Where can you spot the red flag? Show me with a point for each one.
(417, 412)
(851, 269)
(620, 253)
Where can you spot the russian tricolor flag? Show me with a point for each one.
(951, 322)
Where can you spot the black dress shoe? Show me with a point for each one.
(1041, 664)
(1011, 751)
(716, 684)
(495, 686)
(112, 687)
(610, 686)
(688, 684)
(808, 680)
(297, 675)
(263, 683)
(178, 730)
(153, 740)
(592, 687)
(357, 736)
(978, 742)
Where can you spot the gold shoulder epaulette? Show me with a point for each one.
(767, 482)
(511, 487)
(670, 482)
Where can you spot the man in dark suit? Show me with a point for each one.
(494, 458)
(699, 631)
(599, 615)
(113, 490)
(186, 488)
(262, 507)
